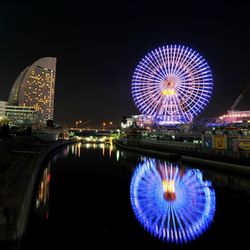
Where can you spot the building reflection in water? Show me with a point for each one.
(172, 203)
(42, 196)
(107, 148)
(117, 155)
(62, 153)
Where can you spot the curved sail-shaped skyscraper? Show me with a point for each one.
(35, 87)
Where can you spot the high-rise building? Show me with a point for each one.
(35, 87)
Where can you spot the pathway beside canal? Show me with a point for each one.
(20, 160)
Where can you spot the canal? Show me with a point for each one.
(95, 196)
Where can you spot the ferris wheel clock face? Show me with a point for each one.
(172, 84)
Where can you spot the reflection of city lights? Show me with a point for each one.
(117, 155)
(98, 144)
(103, 149)
(76, 149)
(110, 149)
(174, 204)
(79, 149)
(42, 197)
(66, 151)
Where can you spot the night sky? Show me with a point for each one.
(98, 45)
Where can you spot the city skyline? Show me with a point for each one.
(99, 45)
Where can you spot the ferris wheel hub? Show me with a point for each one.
(169, 86)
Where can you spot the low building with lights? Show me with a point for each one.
(129, 123)
(233, 116)
(18, 115)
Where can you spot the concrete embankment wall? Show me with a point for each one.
(235, 168)
(17, 200)
(147, 151)
(219, 165)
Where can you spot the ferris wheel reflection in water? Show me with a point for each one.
(172, 203)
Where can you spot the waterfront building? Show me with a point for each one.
(129, 123)
(18, 115)
(3, 105)
(234, 116)
(34, 88)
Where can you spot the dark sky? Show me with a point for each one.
(98, 44)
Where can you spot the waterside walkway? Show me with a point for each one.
(20, 161)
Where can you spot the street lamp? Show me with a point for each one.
(80, 122)
(110, 124)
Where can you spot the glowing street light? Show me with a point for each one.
(78, 123)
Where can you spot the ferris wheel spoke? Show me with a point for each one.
(150, 58)
(150, 75)
(172, 58)
(195, 62)
(143, 82)
(191, 99)
(147, 99)
(177, 105)
(150, 92)
(146, 81)
(194, 107)
(193, 95)
(145, 87)
(193, 90)
(181, 107)
(191, 87)
(150, 72)
(186, 56)
(177, 66)
(160, 62)
(164, 61)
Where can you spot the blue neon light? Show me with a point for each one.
(172, 84)
(177, 216)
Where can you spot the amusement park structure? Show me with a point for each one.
(172, 85)
(233, 115)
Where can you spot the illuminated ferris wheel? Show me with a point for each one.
(172, 84)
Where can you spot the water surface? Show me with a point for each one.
(92, 196)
